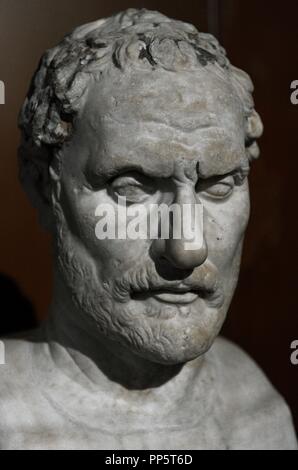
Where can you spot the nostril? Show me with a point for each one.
(168, 271)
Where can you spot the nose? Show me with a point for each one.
(180, 251)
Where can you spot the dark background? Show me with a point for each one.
(262, 38)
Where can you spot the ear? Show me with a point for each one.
(255, 125)
(38, 180)
(254, 130)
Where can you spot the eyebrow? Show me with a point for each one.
(241, 168)
(152, 166)
(119, 169)
(240, 171)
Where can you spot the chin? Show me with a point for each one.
(176, 354)
(175, 341)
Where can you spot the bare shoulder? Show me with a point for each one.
(18, 366)
(17, 373)
(253, 412)
(17, 384)
(17, 360)
(18, 348)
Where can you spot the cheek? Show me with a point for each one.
(225, 227)
(112, 254)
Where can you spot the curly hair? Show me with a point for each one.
(146, 39)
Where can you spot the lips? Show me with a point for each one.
(180, 294)
(175, 297)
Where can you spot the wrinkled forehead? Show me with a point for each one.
(158, 116)
(182, 99)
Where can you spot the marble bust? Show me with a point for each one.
(146, 108)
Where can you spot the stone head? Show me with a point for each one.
(146, 108)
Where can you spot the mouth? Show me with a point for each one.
(175, 297)
(179, 295)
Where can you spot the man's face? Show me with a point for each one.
(155, 137)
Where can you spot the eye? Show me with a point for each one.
(135, 188)
(220, 190)
(216, 188)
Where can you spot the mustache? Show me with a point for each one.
(204, 281)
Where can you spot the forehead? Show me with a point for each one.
(154, 119)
